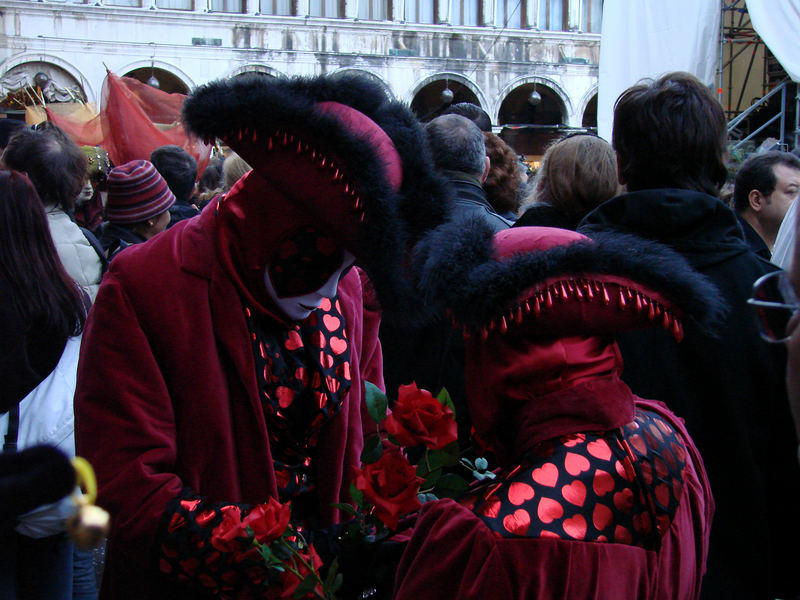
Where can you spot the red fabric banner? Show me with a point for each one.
(134, 120)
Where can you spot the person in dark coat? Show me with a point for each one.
(179, 170)
(137, 207)
(670, 139)
(432, 354)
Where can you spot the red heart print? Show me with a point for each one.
(656, 433)
(575, 463)
(517, 522)
(327, 361)
(625, 469)
(574, 440)
(491, 508)
(623, 500)
(574, 493)
(622, 535)
(662, 494)
(325, 304)
(293, 342)
(601, 516)
(338, 345)
(599, 449)
(638, 443)
(519, 492)
(603, 482)
(664, 427)
(575, 527)
(647, 472)
(285, 396)
(331, 323)
(549, 510)
(547, 475)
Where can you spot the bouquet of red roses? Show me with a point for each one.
(388, 486)
(293, 566)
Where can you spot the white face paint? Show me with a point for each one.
(298, 308)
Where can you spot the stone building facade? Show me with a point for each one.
(530, 64)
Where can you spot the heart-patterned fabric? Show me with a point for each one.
(622, 486)
(304, 375)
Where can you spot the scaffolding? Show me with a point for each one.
(768, 110)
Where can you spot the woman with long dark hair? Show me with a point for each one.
(42, 312)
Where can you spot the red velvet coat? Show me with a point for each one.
(167, 398)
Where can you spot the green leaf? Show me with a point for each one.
(345, 508)
(377, 402)
(444, 398)
(373, 450)
(445, 457)
(356, 495)
(337, 583)
(431, 479)
(332, 572)
(450, 486)
(305, 587)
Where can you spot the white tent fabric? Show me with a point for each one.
(777, 23)
(647, 38)
(783, 251)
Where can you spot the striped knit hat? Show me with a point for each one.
(136, 192)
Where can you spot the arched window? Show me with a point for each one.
(276, 7)
(418, 11)
(463, 12)
(591, 15)
(373, 10)
(552, 15)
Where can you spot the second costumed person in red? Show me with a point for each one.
(600, 494)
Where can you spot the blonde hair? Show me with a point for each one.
(233, 169)
(577, 174)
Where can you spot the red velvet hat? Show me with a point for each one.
(332, 153)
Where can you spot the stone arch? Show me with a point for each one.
(514, 108)
(426, 100)
(255, 68)
(588, 112)
(369, 74)
(64, 74)
(171, 78)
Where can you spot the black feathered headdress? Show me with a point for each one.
(343, 152)
(551, 283)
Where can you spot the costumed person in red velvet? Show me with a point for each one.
(600, 494)
(224, 362)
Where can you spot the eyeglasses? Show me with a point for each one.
(776, 303)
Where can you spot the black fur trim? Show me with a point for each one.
(394, 221)
(455, 268)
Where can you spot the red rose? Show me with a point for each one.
(419, 418)
(267, 521)
(391, 485)
(290, 581)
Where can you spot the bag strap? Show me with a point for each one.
(12, 433)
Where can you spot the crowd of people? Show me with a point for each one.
(618, 350)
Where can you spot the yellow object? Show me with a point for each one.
(90, 524)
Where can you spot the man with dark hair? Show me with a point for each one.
(765, 186)
(670, 139)
(57, 167)
(474, 113)
(179, 170)
(459, 152)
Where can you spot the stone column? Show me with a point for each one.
(574, 15)
(251, 7)
(350, 8)
(487, 12)
(531, 12)
(398, 11)
(442, 15)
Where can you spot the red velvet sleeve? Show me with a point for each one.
(124, 422)
(451, 555)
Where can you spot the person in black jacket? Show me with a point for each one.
(179, 170)
(670, 139)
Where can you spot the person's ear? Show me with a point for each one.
(487, 166)
(756, 200)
